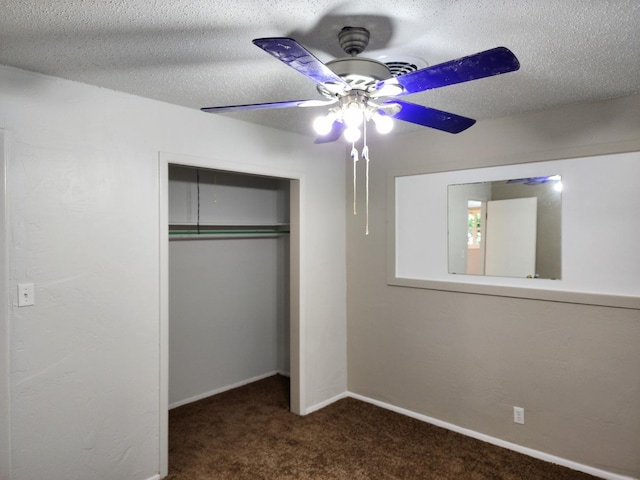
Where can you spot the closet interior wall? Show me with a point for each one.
(228, 280)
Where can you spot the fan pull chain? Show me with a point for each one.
(354, 156)
(365, 156)
(198, 187)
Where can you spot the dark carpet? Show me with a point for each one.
(249, 433)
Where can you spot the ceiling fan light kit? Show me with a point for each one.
(358, 90)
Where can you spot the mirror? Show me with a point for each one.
(508, 228)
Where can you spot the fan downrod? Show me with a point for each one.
(353, 40)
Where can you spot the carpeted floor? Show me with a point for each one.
(249, 433)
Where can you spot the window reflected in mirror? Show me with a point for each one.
(508, 228)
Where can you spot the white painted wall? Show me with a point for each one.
(83, 191)
(5, 414)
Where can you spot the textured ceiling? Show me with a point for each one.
(199, 54)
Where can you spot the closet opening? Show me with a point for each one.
(230, 287)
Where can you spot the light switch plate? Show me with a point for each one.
(26, 294)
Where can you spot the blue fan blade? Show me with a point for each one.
(530, 180)
(294, 55)
(255, 106)
(480, 65)
(430, 117)
(336, 132)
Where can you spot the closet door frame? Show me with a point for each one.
(296, 324)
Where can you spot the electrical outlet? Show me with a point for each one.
(518, 415)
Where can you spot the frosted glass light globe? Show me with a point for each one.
(383, 123)
(352, 134)
(322, 125)
(352, 115)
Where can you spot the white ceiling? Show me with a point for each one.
(199, 53)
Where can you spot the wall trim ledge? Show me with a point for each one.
(494, 441)
(561, 296)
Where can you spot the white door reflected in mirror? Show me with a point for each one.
(509, 228)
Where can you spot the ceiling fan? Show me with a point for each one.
(358, 89)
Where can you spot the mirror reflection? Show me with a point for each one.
(509, 228)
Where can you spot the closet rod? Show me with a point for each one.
(230, 233)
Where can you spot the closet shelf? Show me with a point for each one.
(191, 225)
(188, 230)
(226, 232)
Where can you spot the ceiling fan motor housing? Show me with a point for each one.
(360, 73)
(353, 40)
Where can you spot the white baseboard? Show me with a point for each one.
(326, 403)
(155, 477)
(221, 389)
(493, 440)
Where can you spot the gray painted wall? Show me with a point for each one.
(468, 359)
